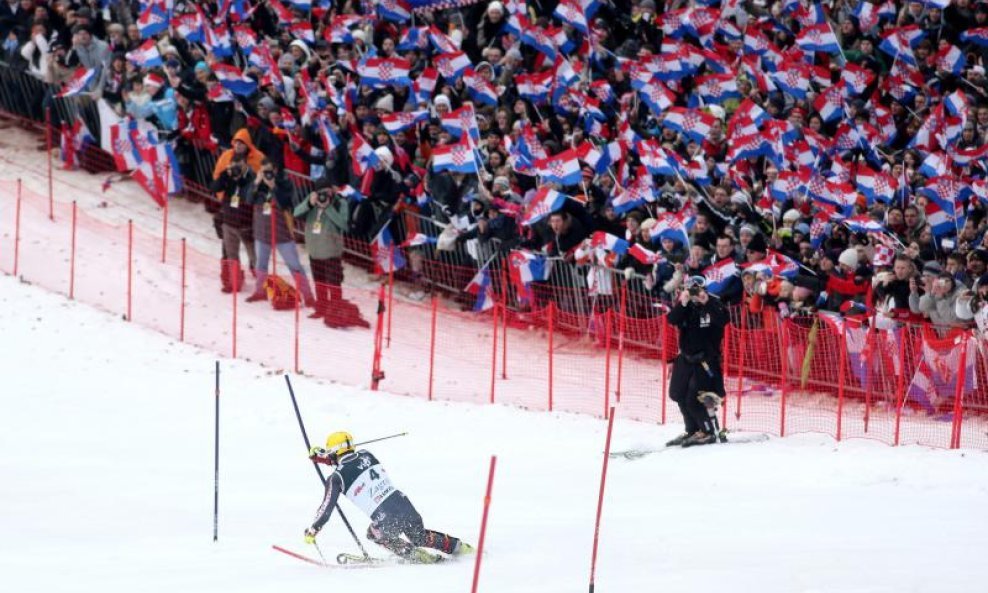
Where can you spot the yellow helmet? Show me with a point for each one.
(339, 443)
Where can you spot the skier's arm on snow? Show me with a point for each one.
(334, 486)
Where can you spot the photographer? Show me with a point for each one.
(274, 225)
(700, 320)
(326, 219)
(235, 186)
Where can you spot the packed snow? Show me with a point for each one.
(107, 472)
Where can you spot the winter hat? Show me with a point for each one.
(648, 223)
(791, 215)
(802, 228)
(758, 244)
(495, 6)
(502, 180)
(301, 45)
(384, 153)
(266, 103)
(154, 80)
(933, 268)
(202, 67)
(747, 228)
(385, 103)
(849, 258)
(442, 100)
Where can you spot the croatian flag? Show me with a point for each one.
(691, 122)
(656, 96)
(396, 11)
(877, 185)
(534, 87)
(330, 141)
(524, 268)
(146, 55)
(382, 72)
(457, 158)
(977, 36)
(234, 80)
(79, 81)
(364, 156)
(544, 202)
(281, 12)
(452, 65)
(303, 30)
(899, 42)
(781, 265)
(608, 242)
(479, 88)
(643, 255)
(425, 84)
(857, 78)
(539, 38)
(818, 38)
(303, 5)
(720, 275)
(246, 40)
(387, 256)
(672, 226)
(940, 221)
(562, 168)
(957, 103)
(934, 385)
(571, 13)
(462, 121)
(152, 21)
(398, 122)
(419, 239)
(864, 224)
(480, 286)
(949, 59)
(830, 103)
(218, 40)
(414, 39)
(189, 26)
(716, 88)
(73, 139)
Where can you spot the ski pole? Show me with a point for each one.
(308, 447)
(321, 557)
(392, 436)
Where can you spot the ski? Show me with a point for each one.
(632, 454)
(352, 560)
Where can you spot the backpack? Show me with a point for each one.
(282, 295)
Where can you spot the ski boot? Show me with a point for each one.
(462, 548)
(699, 438)
(678, 441)
(421, 556)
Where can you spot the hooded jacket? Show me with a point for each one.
(254, 156)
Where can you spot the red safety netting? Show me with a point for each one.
(571, 349)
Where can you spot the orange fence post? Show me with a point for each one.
(504, 332)
(740, 364)
(17, 227)
(48, 143)
(164, 231)
(274, 240)
(494, 351)
(235, 266)
(552, 315)
(955, 431)
(664, 391)
(181, 313)
(376, 373)
(432, 344)
(783, 359)
(607, 362)
(298, 310)
(391, 289)
(75, 217)
(130, 268)
(622, 317)
(841, 379)
(900, 382)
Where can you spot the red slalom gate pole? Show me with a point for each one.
(72, 252)
(376, 374)
(504, 324)
(164, 231)
(742, 333)
(621, 321)
(17, 227)
(432, 344)
(483, 526)
(900, 388)
(783, 335)
(600, 498)
(552, 316)
(181, 313)
(607, 363)
(664, 332)
(51, 190)
(494, 353)
(841, 380)
(130, 269)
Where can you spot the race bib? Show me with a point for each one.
(370, 489)
(317, 227)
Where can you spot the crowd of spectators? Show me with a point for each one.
(833, 151)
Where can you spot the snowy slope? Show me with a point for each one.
(106, 467)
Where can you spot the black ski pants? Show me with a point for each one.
(397, 517)
(689, 378)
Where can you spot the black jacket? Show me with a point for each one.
(701, 328)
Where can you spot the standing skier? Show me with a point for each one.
(362, 479)
(696, 373)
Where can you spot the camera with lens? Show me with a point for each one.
(693, 290)
(322, 197)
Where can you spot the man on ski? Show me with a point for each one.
(362, 479)
(697, 382)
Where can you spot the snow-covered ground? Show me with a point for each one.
(106, 466)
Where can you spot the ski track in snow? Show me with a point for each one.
(106, 466)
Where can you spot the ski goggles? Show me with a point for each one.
(696, 282)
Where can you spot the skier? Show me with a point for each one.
(362, 479)
(696, 374)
